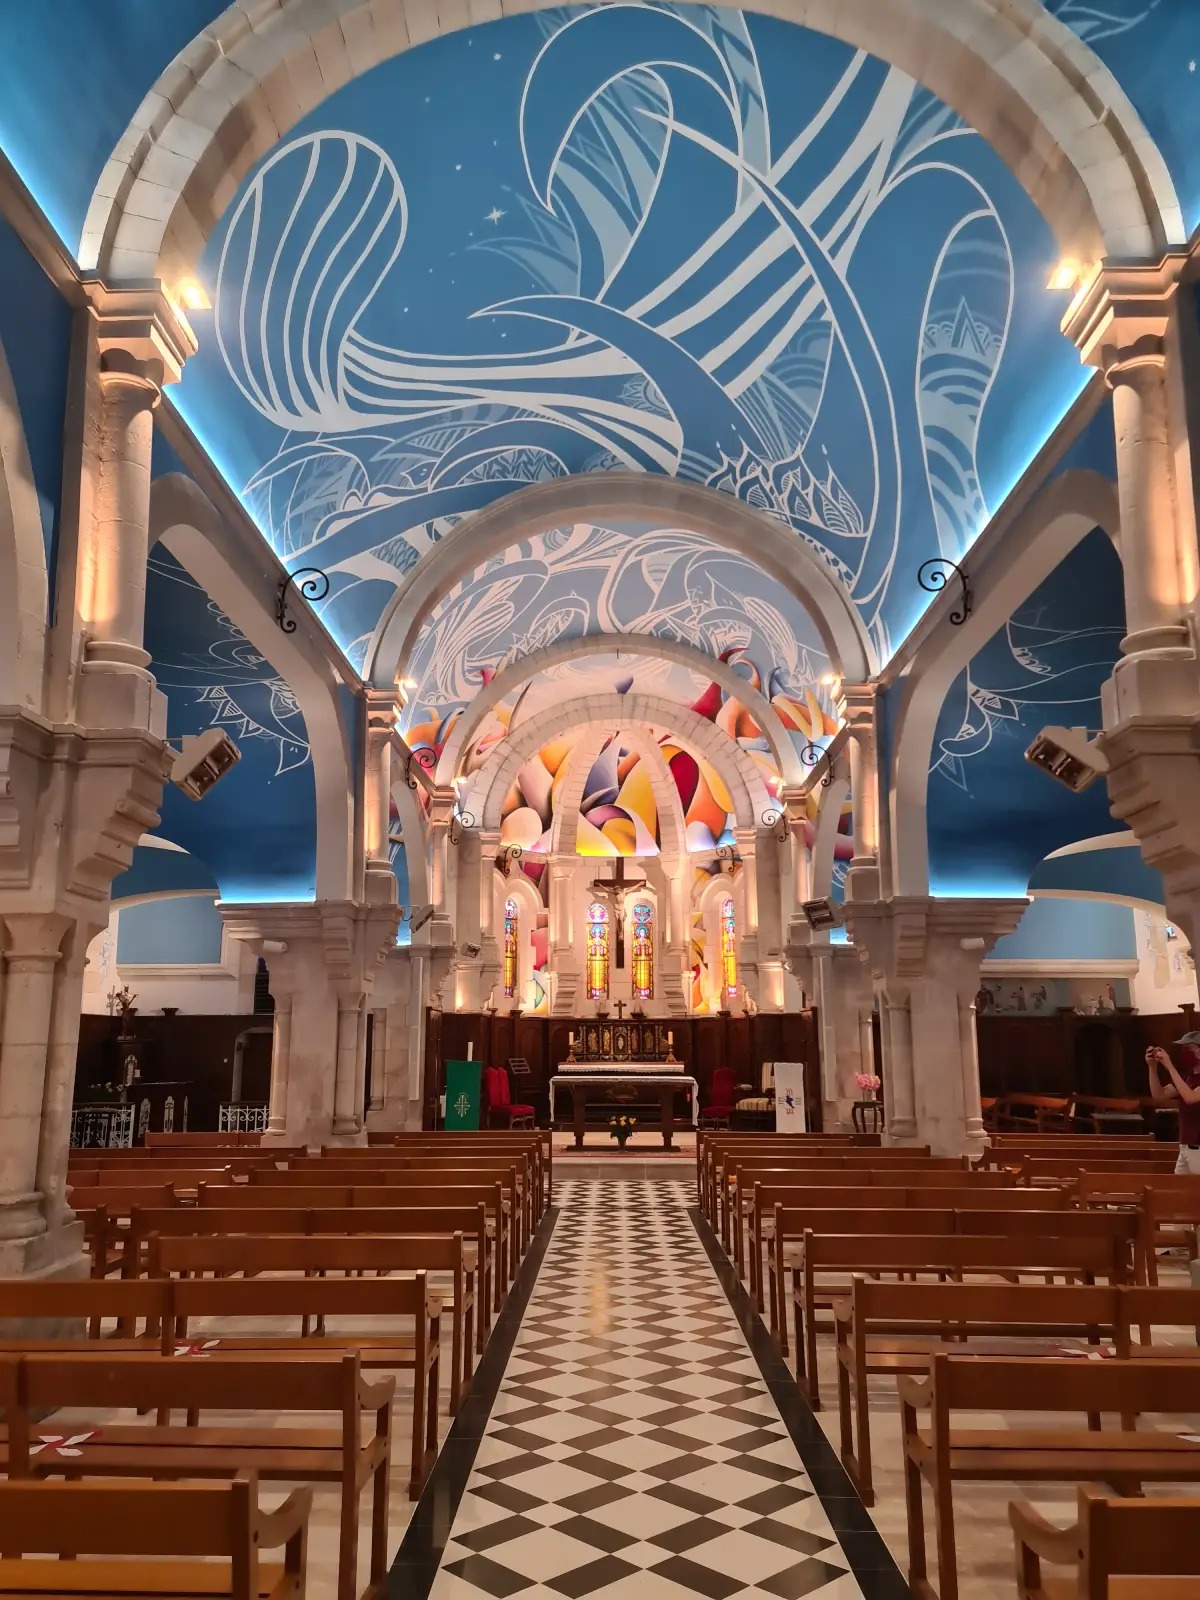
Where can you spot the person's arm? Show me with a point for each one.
(1163, 1094)
(1189, 1096)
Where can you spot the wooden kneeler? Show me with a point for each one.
(32, 1385)
(167, 1528)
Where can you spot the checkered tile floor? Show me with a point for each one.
(633, 1452)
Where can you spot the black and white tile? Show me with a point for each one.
(633, 1451)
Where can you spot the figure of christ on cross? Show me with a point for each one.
(615, 889)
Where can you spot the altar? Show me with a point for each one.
(623, 1085)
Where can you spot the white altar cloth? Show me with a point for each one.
(672, 1080)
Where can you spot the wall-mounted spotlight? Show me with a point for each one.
(310, 582)
(192, 295)
(812, 755)
(425, 758)
(933, 576)
(1068, 756)
(821, 915)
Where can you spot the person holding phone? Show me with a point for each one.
(1181, 1088)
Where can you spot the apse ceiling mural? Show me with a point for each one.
(993, 816)
(585, 580)
(672, 239)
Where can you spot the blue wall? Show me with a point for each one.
(1070, 930)
(35, 330)
(180, 932)
(256, 830)
(993, 816)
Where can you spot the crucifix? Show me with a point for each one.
(615, 888)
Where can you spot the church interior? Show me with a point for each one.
(619, 747)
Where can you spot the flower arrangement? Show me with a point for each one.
(620, 1128)
(868, 1083)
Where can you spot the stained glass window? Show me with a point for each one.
(728, 947)
(597, 952)
(512, 924)
(643, 951)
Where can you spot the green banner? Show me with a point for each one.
(462, 1095)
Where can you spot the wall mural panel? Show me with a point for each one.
(256, 830)
(992, 816)
(675, 239)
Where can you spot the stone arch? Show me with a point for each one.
(24, 585)
(564, 830)
(611, 712)
(633, 644)
(622, 497)
(825, 834)
(244, 582)
(1040, 538)
(1021, 78)
(416, 844)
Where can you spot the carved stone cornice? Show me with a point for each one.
(1124, 307)
(1154, 787)
(141, 334)
(916, 937)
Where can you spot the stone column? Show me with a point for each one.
(143, 343)
(925, 956)
(281, 1050)
(62, 1059)
(857, 706)
(32, 950)
(1128, 322)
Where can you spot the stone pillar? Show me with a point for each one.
(1129, 322)
(924, 956)
(32, 949)
(62, 1058)
(857, 706)
(281, 1051)
(143, 343)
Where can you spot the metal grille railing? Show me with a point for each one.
(239, 1118)
(102, 1127)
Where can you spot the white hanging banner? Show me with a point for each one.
(789, 1097)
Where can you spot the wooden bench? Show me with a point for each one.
(35, 1314)
(471, 1221)
(163, 1449)
(950, 1256)
(214, 1300)
(972, 1196)
(894, 1328)
(1120, 1549)
(720, 1156)
(165, 1535)
(1124, 1457)
(292, 1253)
(539, 1140)
(330, 1197)
(105, 1212)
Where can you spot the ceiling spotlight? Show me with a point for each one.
(192, 294)
(830, 680)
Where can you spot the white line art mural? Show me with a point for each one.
(701, 243)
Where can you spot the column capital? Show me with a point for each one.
(1118, 320)
(857, 707)
(904, 939)
(383, 711)
(143, 337)
(34, 937)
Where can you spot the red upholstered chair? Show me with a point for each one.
(501, 1111)
(717, 1112)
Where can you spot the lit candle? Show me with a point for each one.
(571, 1040)
(671, 1039)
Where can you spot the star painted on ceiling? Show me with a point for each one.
(494, 214)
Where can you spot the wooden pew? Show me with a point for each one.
(413, 1175)
(470, 1220)
(941, 1454)
(1120, 1549)
(541, 1138)
(105, 1212)
(792, 1149)
(464, 1148)
(973, 1196)
(953, 1255)
(894, 1328)
(293, 1253)
(34, 1384)
(210, 1300)
(328, 1197)
(161, 1534)
(34, 1312)
(1145, 1307)
(1066, 1169)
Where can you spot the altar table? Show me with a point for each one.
(661, 1078)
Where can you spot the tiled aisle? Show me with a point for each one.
(633, 1450)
